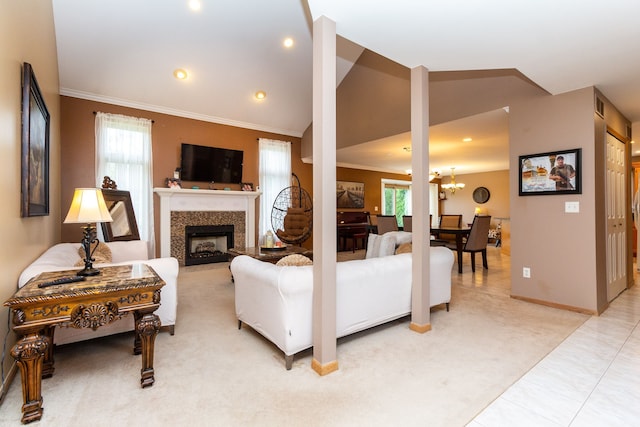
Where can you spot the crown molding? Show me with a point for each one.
(173, 112)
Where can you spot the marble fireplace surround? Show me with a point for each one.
(181, 207)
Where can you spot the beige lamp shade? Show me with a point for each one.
(480, 211)
(88, 206)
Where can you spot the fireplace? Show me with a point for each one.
(207, 243)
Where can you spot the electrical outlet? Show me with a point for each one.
(375, 209)
(526, 272)
(572, 207)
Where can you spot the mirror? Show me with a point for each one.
(124, 226)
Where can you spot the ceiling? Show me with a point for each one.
(124, 52)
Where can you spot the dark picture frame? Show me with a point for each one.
(35, 147)
(541, 174)
(124, 226)
(349, 195)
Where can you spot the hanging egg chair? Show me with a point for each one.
(292, 214)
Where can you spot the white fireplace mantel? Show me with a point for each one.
(172, 199)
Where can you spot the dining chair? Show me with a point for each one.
(386, 223)
(447, 220)
(406, 223)
(478, 239)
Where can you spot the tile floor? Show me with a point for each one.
(591, 379)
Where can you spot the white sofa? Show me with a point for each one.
(276, 301)
(64, 256)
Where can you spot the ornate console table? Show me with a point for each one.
(99, 300)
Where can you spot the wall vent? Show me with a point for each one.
(600, 107)
(629, 132)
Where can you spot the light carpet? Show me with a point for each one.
(210, 373)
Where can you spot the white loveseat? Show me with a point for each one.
(64, 256)
(276, 301)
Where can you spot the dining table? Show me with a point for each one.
(460, 233)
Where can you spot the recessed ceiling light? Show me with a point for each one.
(180, 74)
(195, 4)
(261, 94)
(467, 140)
(288, 42)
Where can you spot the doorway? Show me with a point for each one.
(616, 209)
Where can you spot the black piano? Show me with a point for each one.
(353, 226)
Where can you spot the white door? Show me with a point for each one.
(616, 218)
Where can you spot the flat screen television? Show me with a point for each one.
(207, 164)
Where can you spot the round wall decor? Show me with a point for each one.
(481, 195)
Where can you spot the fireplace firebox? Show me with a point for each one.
(207, 243)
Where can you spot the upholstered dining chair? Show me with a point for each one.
(478, 239)
(447, 220)
(406, 223)
(386, 223)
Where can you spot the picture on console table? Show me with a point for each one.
(350, 194)
(555, 172)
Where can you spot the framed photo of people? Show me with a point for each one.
(555, 172)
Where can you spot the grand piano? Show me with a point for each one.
(354, 226)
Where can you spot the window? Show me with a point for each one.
(396, 196)
(275, 176)
(123, 153)
(397, 199)
(434, 203)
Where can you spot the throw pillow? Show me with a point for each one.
(379, 246)
(101, 254)
(294, 260)
(404, 248)
(401, 236)
(387, 245)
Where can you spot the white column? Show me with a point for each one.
(420, 301)
(324, 194)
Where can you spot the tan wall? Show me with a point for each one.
(462, 201)
(372, 187)
(563, 250)
(26, 35)
(78, 151)
(379, 87)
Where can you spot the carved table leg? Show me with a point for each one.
(137, 344)
(29, 353)
(147, 327)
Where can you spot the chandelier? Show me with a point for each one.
(452, 186)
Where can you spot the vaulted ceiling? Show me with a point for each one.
(125, 53)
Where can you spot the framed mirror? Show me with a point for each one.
(124, 226)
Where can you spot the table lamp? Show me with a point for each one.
(88, 207)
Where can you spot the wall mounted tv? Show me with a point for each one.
(207, 164)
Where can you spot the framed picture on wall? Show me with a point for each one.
(350, 194)
(555, 172)
(35, 148)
